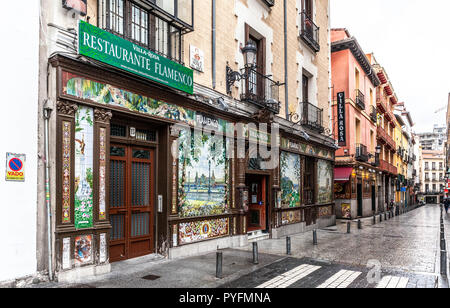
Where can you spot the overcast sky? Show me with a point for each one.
(411, 40)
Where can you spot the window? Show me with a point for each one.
(140, 25)
(309, 181)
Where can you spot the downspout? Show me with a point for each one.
(214, 44)
(47, 112)
(286, 88)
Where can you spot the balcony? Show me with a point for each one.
(360, 100)
(260, 90)
(373, 114)
(384, 138)
(387, 167)
(361, 153)
(311, 117)
(309, 32)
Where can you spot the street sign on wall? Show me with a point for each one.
(342, 130)
(108, 48)
(15, 167)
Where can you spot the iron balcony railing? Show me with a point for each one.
(309, 32)
(373, 114)
(311, 117)
(360, 100)
(361, 153)
(260, 90)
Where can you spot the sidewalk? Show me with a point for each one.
(193, 272)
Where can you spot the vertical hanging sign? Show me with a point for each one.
(342, 132)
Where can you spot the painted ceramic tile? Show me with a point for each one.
(202, 230)
(203, 176)
(325, 211)
(103, 248)
(109, 95)
(290, 180)
(102, 175)
(83, 249)
(66, 253)
(290, 217)
(84, 140)
(325, 181)
(66, 181)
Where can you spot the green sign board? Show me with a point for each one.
(108, 48)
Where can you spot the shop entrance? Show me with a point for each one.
(359, 195)
(257, 219)
(131, 201)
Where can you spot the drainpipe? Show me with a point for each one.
(214, 44)
(47, 112)
(286, 88)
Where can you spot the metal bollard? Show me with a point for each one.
(385, 216)
(349, 227)
(444, 263)
(315, 237)
(359, 224)
(381, 218)
(288, 246)
(374, 220)
(219, 262)
(255, 253)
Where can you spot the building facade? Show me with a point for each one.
(354, 85)
(432, 176)
(18, 149)
(164, 142)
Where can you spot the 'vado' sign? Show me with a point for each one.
(116, 51)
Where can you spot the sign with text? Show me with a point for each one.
(15, 167)
(108, 48)
(342, 130)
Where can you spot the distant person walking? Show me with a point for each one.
(446, 204)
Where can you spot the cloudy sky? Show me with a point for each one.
(411, 40)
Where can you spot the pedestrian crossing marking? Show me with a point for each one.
(392, 282)
(340, 280)
(289, 278)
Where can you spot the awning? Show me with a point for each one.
(342, 174)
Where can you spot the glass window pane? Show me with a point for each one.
(167, 5)
(185, 11)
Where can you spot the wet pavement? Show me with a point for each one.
(402, 252)
(406, 246)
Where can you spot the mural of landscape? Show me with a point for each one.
(290, 180)
(325, 181)
(203, 176)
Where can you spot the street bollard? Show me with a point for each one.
(381, 218)
(444, 263)
(349, 227)
(288, 246)
(315, 237)
(374, 220)
(385, 216)
(219, 262)
(359, 224)
(255, 253)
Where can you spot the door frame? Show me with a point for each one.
(268, 195)
(359, 198)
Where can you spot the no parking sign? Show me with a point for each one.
(15, 167)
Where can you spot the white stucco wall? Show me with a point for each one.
(18, 126)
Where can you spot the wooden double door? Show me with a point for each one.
(131, 204)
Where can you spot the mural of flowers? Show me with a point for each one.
(84, 181)
(290, 180)
(202, 230)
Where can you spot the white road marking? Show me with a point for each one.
(392, 282)
(289, 278)
(340, 280)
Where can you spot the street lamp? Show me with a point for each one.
(250, 51)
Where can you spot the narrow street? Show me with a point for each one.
(402, 252)
(404, 248)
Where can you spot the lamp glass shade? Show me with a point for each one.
(249, 52)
